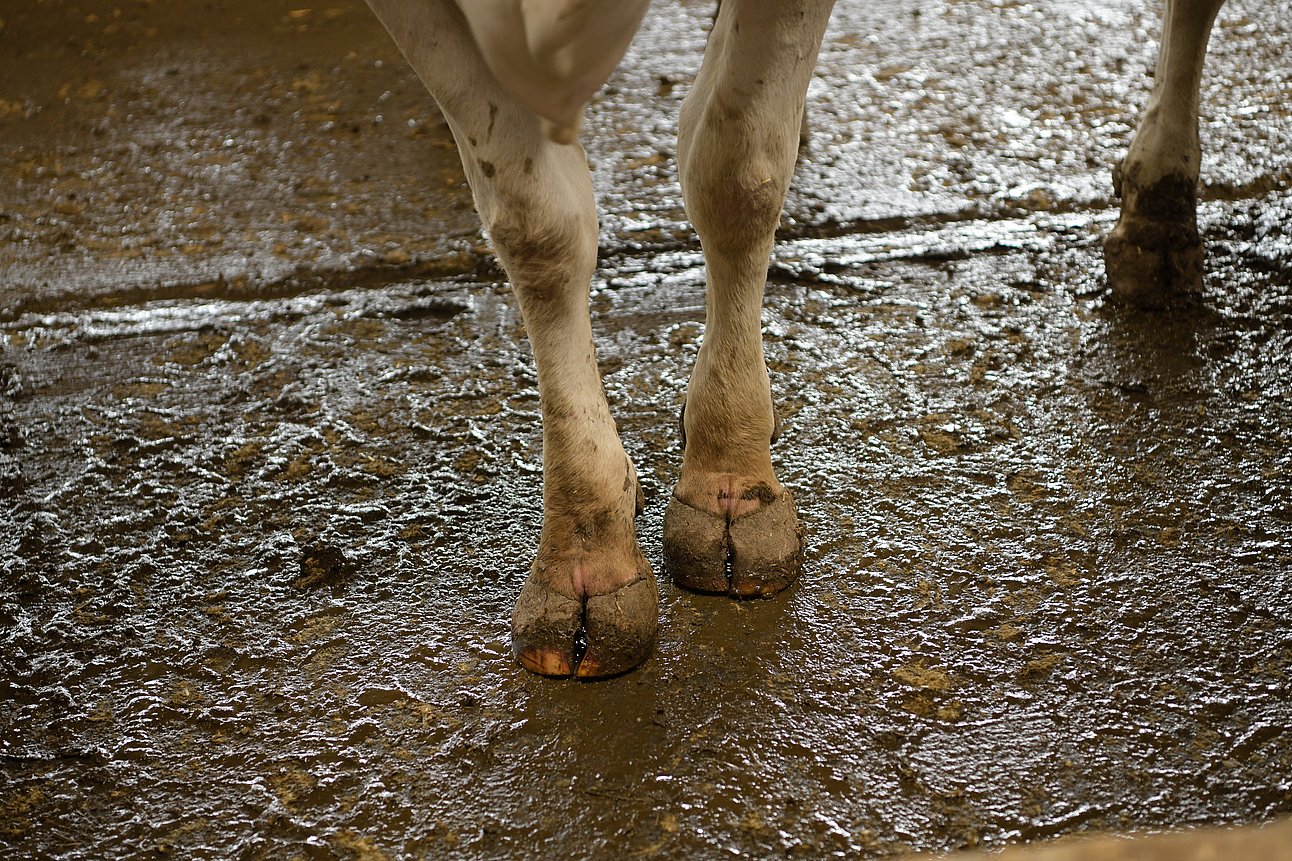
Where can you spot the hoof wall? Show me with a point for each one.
(753, 556)
(1155, 272)
(604, 635)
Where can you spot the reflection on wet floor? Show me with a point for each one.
(262, 544)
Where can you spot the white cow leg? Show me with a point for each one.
(731, 526)
(1154, 254)
(589, 605)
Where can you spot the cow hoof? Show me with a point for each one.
(754, 555)
(589, 638)
(1154, 265)
(1153, 257)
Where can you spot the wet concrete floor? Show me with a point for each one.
(270, 460)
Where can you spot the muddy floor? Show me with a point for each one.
(270, 461)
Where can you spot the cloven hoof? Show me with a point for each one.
(589, 638)
(755, 555)
(1154, 266)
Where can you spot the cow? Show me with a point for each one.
(512, 78)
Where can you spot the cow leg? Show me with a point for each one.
(589, 605)
(1154, 254)
(731, 526)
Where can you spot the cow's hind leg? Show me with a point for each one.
(589, 605)
(1154, 254)
(730, 526)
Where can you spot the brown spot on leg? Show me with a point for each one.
(761, 492)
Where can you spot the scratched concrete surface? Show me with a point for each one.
(270, 461)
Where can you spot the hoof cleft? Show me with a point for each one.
(755, 555)
(1153, 269)
(604, 635)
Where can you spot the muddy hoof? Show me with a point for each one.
(1154, 266)
(621, 629)
(1153, 256)
(753, 556)
(605, 635)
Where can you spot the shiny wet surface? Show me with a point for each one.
(270, 458)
